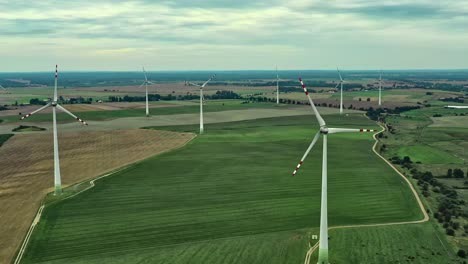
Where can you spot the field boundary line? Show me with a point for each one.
(28, 235)
(91, 185)
(418, 199)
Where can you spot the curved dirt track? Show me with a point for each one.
(421, 206)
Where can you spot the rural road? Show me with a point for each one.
(421, 206)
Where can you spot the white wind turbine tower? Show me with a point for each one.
(145, 83)
(341, 93)
(277, 86)
(54, 104)
(324, 131)
(380, 88)
(201, 99)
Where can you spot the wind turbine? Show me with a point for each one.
(277, 86)
(54, 104)
(324, 131)
(145, 83)
(201, 99)
(341, 93)
(380, 88)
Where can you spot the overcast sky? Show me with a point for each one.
(233, 35)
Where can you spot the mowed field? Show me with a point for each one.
(226, 197)
(26, 173)
(412, 243)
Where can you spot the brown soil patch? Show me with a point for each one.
(26, 169)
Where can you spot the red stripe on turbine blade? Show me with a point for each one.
(360, 130)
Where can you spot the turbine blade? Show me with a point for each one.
(307, 152)
(38, 110)
(3, 88)
(338, 84)
(317, 114)
(349, 130)
(194, 84)
(70, 113)
(142, 84)
(211, 78)
(339, 73)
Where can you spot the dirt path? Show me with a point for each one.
(421, 206)
(26, 174)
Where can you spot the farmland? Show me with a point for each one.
(434, 139)
(26, 172)
(222, 191)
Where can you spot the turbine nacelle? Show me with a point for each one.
(324, 130)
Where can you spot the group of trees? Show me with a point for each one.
(453, 99)
(169, 97)
(72, 100)
(449, 207)
(456, 173)
(378, 114)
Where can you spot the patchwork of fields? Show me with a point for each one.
(228, 195)
(26, 173)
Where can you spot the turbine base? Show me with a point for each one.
(58, 190)
(323, 256)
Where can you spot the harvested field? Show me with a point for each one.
(26, 174)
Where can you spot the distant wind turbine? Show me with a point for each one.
(201, 99)
(341, 93)
(145, 83)
(324, 131)
(380, 88)
(277, 86)
(54, 104)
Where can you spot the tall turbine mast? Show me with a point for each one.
(380, 88)
(54, 104)
(277, 86)
(201, 99)
(145, 83)
(341, 92)
(324, 131)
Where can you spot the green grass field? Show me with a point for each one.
(415, 243)
(227, 197)
(4, 138)
(428, 155)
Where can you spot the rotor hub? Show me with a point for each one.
(54, 103)
(324, 130)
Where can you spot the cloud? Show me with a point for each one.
(331, 30)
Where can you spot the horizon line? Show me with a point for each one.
(248, 70)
